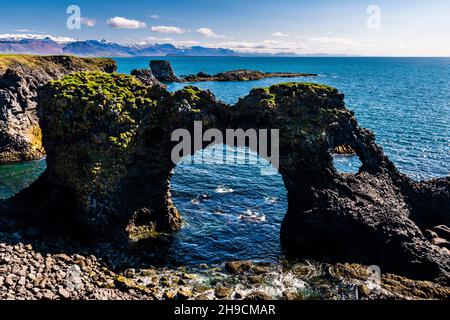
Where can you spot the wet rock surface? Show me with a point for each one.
(112, 180)
(20, 77)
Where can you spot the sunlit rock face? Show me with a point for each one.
(108, 139)
(20, 77)
(146, 77)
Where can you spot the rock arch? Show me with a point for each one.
(108, 143)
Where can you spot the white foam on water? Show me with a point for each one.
(270, 200)
(222, 189)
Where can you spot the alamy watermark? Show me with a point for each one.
(73, 22)
(262, 141)
(374, 280)
(374, 18)
(73, 278)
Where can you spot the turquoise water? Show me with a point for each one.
(15, 177)
(405, 101)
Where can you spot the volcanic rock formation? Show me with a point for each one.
(108, 142)
(20, 76)
(164, 72)
(242, 75)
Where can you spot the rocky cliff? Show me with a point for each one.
(108, 139)
(20, 77)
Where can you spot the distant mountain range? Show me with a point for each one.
(49, 45)
(94, 48)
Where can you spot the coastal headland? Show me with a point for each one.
(107, 141)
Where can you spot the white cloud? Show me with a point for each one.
(185, 43)
(88, 22)
(23, 30)
(280, 34)
(150, 40)
(157, 39)
(154, 16)
(335, 40)
(124, 23)
(265, 46)
(22, 36)
(167, 29)
(208, 33)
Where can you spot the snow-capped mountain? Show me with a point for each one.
(45, 45)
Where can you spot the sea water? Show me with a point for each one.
(405, 101)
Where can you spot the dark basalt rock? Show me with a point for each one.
(20, 134)
(108, 140)
(163, 71)
(242, 75)
(146, 77)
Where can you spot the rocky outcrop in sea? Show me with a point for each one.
(20, 77)
(164, 72)
(242, 75)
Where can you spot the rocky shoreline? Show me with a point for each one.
(51, 268)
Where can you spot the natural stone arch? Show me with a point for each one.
(108, 143)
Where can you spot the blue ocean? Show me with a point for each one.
(405, 101)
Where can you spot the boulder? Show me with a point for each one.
(258, 295)
(442, 231)
(163, 71)
(146, 77)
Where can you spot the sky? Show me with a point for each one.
(354, 27)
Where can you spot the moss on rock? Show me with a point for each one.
(20, 76)
(53, 63)
(90, 120)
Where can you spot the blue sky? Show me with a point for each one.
(402, 27)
